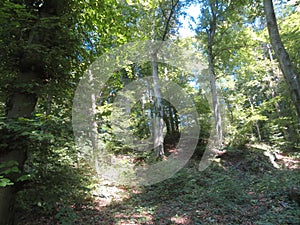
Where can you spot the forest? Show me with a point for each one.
(149, 112)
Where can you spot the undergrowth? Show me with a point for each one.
(237, 188)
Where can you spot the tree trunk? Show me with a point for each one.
(255, 123)
(272, 74)
(7, 197)
(168, 120)
(158, 114)
(8, 193)
(94, 125)
(20, 104)
(172, 120)
(282, 56)
(176, 120)
(216, 105)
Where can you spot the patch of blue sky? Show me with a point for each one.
(189, 21)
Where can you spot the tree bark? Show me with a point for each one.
(282, 56)
(22, 100)
(158, 114)
(8, 193)
(20, 104)
(7, 197)
(94, 125)
(216, 105)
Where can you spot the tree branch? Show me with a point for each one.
(169, 19)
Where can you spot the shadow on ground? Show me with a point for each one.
(240, 187)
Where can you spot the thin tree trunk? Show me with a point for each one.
(271, 76)
(176, 120)
(167, 120)
(255, 122)
(282, 55)
(172, 120)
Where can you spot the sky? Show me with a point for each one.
(185, 31)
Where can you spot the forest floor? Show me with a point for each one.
(239, 187)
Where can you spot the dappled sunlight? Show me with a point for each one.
(169, 112)
(226, 192)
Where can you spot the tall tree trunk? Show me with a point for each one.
(216, 105)
(158, 115)
(20, 104)
(282, 55)
(158, 111)
(94, 130)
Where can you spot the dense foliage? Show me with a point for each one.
(46, 46)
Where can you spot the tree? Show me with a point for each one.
(44, 44)
(168, 14)
(258, 109)
(37, 33)
(209, 31)
(283, 57)
(156, 24)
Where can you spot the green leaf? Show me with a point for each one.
(24, 177)
(9, 164)
(11, 170)
(5, 182)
